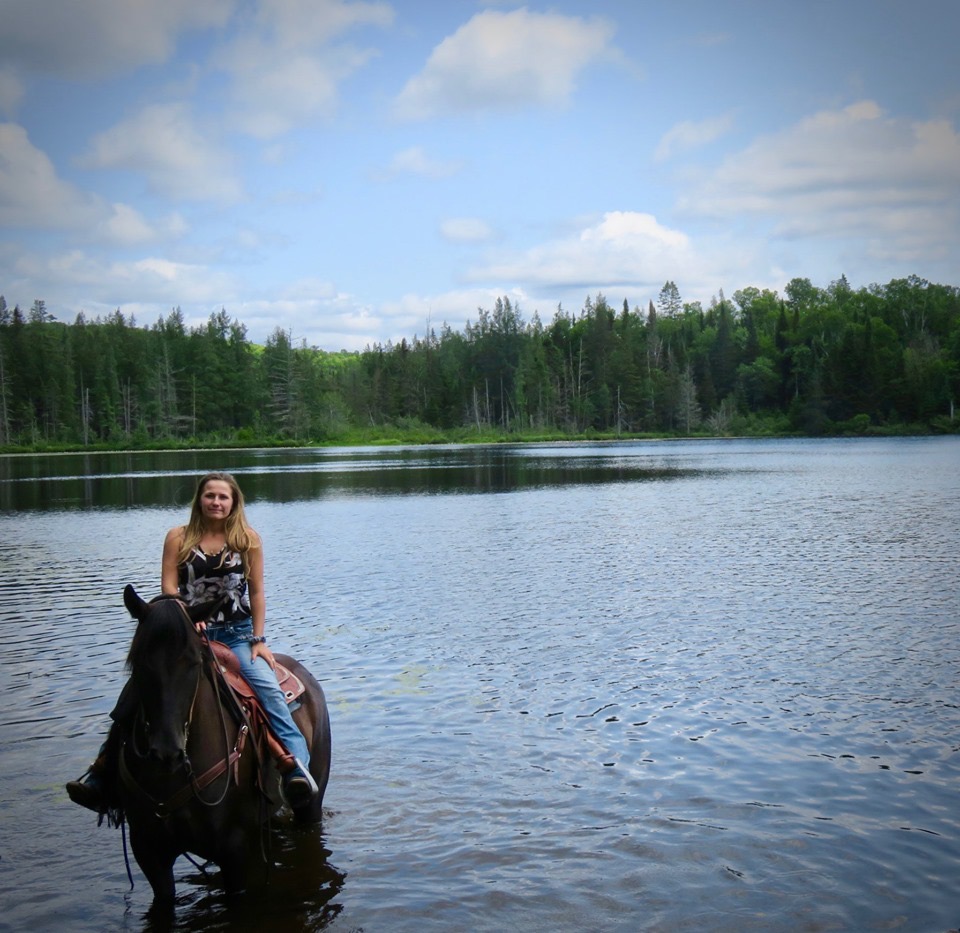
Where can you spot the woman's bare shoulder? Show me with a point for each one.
(175, 535)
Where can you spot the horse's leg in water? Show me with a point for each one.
(232, 859)
(155, 858)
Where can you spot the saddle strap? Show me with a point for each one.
(212, 773)
(165, 808)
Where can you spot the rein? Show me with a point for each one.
(195, 783)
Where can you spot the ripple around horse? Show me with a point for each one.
(191, 782)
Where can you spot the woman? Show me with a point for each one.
(218, 558)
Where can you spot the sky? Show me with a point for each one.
(360, 172)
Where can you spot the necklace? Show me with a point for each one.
(212, 550)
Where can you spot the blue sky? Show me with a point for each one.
(354, 171)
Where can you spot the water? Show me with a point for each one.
(656, 686)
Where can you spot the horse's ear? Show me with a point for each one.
(135, 605)
(199, 613)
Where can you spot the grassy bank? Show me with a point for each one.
(412, 432)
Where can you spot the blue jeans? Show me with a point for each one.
(259, 675)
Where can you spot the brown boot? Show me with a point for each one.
(97, 789)
(89, 791)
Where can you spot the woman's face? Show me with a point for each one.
(216, 500)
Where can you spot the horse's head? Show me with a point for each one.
(165, 661)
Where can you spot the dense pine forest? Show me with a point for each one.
(882, 359)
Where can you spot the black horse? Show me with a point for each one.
(190, 777)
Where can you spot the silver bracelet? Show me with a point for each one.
(257, 640)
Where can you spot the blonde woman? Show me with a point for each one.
(218, 558)
(215, 558)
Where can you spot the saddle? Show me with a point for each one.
(292, 686)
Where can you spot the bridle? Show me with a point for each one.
(194, 784)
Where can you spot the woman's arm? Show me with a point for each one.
(169, 578)
(258, 602)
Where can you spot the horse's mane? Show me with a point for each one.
(164, 631)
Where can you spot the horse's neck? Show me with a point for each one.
(212, 726)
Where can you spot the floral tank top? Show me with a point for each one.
(204, 578)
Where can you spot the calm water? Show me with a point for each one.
(667, 686)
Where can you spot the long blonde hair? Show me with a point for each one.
(240, 537)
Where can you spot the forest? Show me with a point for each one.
(879, 359)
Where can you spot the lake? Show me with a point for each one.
(659, 685)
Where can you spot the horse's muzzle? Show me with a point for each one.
(167, 752)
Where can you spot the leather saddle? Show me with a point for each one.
(292, 686)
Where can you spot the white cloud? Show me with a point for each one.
(412, 314)
(126, 226)
(32, 195)
(856, 172)
(465, 230)
(11, 91)
(299, 22)
(163, 144)
(709, 40)
(98, 37)
(314, 311)
(286, 70)
(275, 90)
(691, 135)
(624, 248)
(147, 286)
(415, 161)
(505, 60)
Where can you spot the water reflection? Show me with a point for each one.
(720, 703)
(128, 480)
(296, 891)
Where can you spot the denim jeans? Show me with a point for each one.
(259, 675)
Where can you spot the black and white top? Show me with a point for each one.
(206, 578)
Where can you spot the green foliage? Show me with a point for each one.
(878, 360)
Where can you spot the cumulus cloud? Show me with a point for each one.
(281, 58)
(125, 226)
(505, 60)
(415, 161)
(855, 172)
(414, 314)
(147, 286)
(465, 230)
(99, 37)
(319, 314)
(691, 135)
(299, 22)
(163, 143)
(274, 91)
(287, 67)
(624, 248)
(32, 195)
(313, 311)
(11, 91)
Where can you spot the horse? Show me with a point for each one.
(190, 779)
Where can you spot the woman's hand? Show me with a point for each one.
(260, 650)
